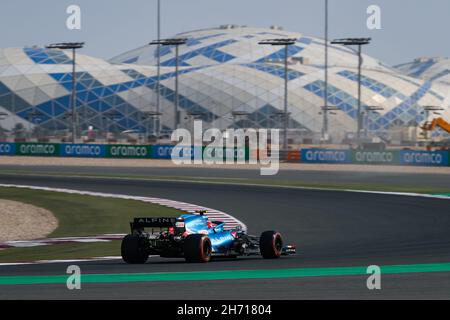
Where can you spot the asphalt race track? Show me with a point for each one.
(434, 180)
(330, 228)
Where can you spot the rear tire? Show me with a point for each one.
(270, 244)
(197, 248)
(132, 250)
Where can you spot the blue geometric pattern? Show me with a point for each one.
(4, 89)
(131, 60)
(47, 56)
(265, 117)
(431, 69)
(169, 94)
(441, 74)
(275, 70)
(133, 74)
(281, 54)
(336, 97)
(210, 51)
(186, 104)
(240, 77)
(417, 84)
(94, 96)
(436, 95)
(305, 40)
(422, 67)
(91, 94)
(372, 84)
(11, 101)
(84, 80)
(404, 114)
(408, 108)
(196, 41)
(164, 50)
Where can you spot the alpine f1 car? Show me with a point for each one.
(196, 239)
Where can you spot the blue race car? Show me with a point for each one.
(195, 238)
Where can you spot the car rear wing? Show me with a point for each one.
(157, 222)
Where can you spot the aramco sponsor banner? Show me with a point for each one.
(128, 151)
(221, 154)
(38, 149)
(83, 150)
(206, 153)
(7, 148)
(424, 158)
(376, 157)
(325, 156)
(165, 151)
(312, 155)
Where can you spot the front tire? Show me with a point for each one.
(270, 244)
(197, 248)
(132, 250)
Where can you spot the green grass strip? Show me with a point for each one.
(223, 275)
(79, 215)
(85, 215)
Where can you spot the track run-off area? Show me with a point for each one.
(338, 235)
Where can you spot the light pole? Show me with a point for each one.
(325, 110)
(3, 116)
(68, 115)
(71, 46)
(239, 115)
(158, 70)
(33, 117)
(151, 115)
(356, 42)
(173, 42)
(325, 97)
(280, 117)
(286, 43)
(369, 110)
(192, 116)
(427, 110)
(107, 116)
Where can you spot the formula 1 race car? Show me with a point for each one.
(197, 239)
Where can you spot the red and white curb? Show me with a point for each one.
(61, 261)
(50, 241)
(230, 221)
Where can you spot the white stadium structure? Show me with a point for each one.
(225, 78)
(433, 69)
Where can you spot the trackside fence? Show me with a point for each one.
(121, 151)
(305, 155)
(386, 157)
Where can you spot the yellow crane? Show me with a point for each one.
(431, 125)
(437, 122)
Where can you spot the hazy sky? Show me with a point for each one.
(410, 28)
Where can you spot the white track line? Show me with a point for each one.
(62, 261)
(407, 194)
